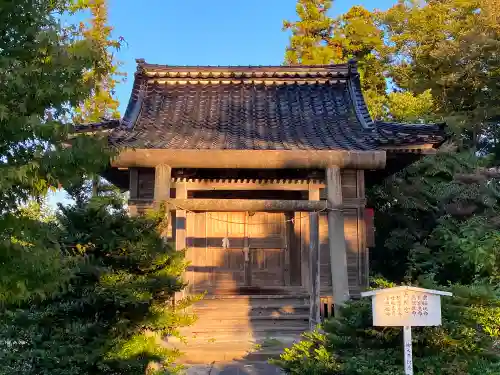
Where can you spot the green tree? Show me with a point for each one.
(358, 34)
(405, 106)
(309, 43)
(43, 76)
(451, 48)
(437, 216)
(117, 307)
(105, 74)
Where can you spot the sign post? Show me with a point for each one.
(406, 306)
(408, 350)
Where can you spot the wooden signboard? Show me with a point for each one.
(406, 306)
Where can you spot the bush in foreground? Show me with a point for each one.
(115, 308)
(468, 342)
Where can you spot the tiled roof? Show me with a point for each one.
(257, 108)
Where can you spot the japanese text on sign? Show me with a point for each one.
(406, 308)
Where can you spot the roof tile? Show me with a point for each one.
(259, 108)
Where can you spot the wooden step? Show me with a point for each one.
(255, 337)
(231, 350)
(236, 319)
(230, 301)
(233, 327)
(253, 314)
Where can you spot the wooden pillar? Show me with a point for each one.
(314, 264)
(163, 177)
(336, 239)
(180, 228)
(180, 218)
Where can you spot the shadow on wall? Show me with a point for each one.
(249, 314)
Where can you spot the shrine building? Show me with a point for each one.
(263, 170)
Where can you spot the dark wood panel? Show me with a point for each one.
(267, 241)
(146, 183)
(267, 267)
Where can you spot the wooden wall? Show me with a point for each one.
(354, 229)
(355, 233)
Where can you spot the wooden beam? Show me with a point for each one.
(314, 263)
(249, 205)
(250, 159)
(238, 185)
(336, 239)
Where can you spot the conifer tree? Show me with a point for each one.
(309, 43)
(105, 75)
(116, 309)
(319, 39)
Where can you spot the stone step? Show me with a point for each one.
(230, 351)
(217, 356)
(234, 368)
(252, 338)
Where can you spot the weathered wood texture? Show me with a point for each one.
(352, 191)
(134, 183)
(248, 205)
(216, 243)
(163, 179)
(256, 184)
(314, 261)
(362, 232)
(180, 219)
(337, 243)
(250, 159)
(314, 313)
(357, 255)
(146, 183)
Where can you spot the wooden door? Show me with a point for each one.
(267, 242)
(233, 251)
(215, 251)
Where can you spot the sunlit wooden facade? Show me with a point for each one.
(264, 172)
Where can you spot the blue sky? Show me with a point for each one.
(196, 32)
